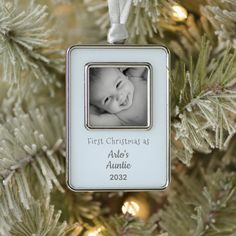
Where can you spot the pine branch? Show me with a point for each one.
(127, 225)
(146, 17)
(222, 15)
(201, 205)
(152, 22)
(146, 20)
(77, 207)
(39, 219)
(35, 140)
(203, 101)
(26, 43)
(229, 157)
(31, 146)
(184, 39)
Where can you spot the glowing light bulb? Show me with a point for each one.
(94, 232)
(130, 207)
(179, 13)
(137, 205)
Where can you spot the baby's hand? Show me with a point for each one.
(94, 110)
(136, 72)
(105, 119)
(94, 115)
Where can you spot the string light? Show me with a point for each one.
(78, 229)
(136, 206)
(94, 232)
(179, 13)
(130, 207)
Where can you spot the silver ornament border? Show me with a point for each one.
(68, 127)
(149, 95)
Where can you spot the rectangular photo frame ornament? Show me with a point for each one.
(117, 118)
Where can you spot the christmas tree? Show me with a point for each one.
(34, 198)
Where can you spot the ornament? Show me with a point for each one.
(117, 113)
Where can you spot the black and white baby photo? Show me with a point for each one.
(118, 96)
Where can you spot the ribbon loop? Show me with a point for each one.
(119, 12)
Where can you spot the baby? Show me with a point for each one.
(118, 98)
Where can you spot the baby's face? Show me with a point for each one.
(112, 91)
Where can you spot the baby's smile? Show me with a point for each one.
(112, 92)
(126, 101)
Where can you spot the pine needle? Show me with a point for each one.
(126, 225)
(26, 43)
(202, 207)
(39, 219)
(203, 102)
(222, 15)
(33, 139)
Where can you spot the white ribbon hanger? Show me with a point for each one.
(119, 12)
